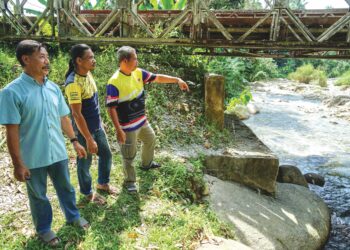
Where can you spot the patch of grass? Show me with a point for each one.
(344, 79)
(166, 213)
(307, 74)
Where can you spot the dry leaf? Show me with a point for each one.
(133, 235)
(207, 145)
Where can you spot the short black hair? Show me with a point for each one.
(125, 52)
(27, 47)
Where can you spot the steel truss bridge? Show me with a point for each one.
(276, 32)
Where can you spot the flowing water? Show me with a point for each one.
(301, 131)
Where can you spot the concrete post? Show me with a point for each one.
(214, 99)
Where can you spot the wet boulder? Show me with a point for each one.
(240, 111)
(291, 174)
(315, 179)
(252, 108)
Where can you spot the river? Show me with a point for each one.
(297, 125)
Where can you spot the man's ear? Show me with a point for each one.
(25, 59)
(78, 60)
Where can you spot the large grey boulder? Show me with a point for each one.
(295, 219)
(257, 171)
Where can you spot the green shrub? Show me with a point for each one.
(307, 74)
(263, 68)
(302, 74)
(320, 77)
(333, 68)
(344, 79)
(58, 68)
(243, 99)
(9, 67)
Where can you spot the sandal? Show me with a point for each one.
(50, 239)
(81, 222)
(152, 165)
(96, 198)
(107, 188)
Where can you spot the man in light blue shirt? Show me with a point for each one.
(35, 113)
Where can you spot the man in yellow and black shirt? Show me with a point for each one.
(82, 96)
(126, 106)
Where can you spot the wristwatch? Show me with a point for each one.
(73, 139)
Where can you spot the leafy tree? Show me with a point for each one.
(100, 5)
(297, 4)
(252, 4)
(226, 4)
(163, 5)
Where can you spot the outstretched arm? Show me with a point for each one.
(170, 79)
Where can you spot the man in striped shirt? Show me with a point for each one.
(126, 107)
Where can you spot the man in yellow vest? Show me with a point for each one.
(126, 107)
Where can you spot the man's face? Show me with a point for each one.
(132, 62)
(87, 62)
(38, 62)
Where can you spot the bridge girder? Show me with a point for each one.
(276, 32)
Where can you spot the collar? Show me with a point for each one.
(82, 75)
(124, 73)
(29, 79)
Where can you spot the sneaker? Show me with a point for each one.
(131, 187)
(151, 166)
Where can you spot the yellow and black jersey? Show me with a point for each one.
(126, 93)
(82, 89)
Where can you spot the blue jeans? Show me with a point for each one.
(104, 162)
(39, 203)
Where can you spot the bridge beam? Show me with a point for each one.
(334, 28)
(198, 9)
(12, 18)
(279, 30)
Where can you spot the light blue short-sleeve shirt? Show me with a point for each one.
(37, 109)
